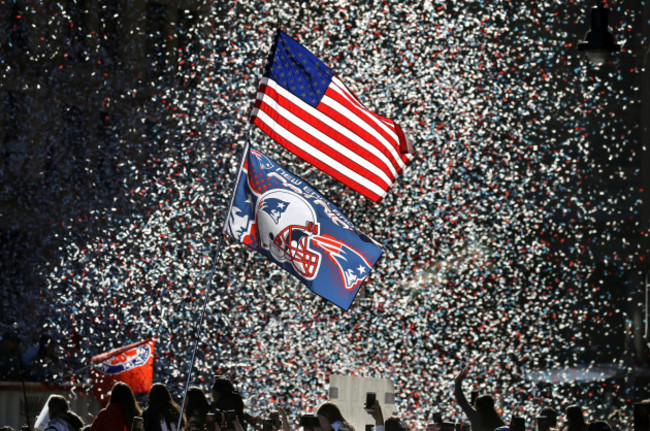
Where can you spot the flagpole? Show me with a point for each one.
(74, 372)
(217, 254)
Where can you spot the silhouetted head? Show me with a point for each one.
(394, 423)
(57, 405)
(159, 398)
(222, 386)
(489, 416)
(196, 402)
(484, 403)
(575, 419)
(122, 395)
(328, 413)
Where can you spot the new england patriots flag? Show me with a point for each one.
(132, 364)
(303, 106)
(286, 220)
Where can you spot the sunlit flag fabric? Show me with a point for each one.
(303, 106)
(132, 364)
(286, 220)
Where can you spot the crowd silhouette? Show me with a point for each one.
(226, 412)
(224, 409)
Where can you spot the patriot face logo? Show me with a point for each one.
(274, 208)
(128, 360)
(287, 224)
(352, 266)
(239, 223)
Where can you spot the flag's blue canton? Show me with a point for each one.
(298, 70)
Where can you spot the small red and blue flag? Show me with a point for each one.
(132, 364)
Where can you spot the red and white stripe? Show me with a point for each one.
(339, 136)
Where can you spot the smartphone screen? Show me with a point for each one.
(371, 397)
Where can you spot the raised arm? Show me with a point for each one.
(378, 416)
(471, 413)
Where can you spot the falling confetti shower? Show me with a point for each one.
(500, 239)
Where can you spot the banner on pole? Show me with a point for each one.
(285, 219)
(132, 364)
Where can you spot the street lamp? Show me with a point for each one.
(599, 42)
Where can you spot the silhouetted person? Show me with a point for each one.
(483, 416)
(61, 418)
(226, 398)
(162, 412)
(331, 419)
(196, 409)
(121, 409)
(574, 419)
(551, 416)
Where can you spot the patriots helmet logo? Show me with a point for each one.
(353, 267)
(274, 207)
(125, 361)
(287, 223)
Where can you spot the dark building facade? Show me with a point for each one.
(78, 80)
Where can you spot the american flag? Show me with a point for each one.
(303, 106)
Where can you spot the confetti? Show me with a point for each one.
(504, 239)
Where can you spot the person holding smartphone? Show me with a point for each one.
(226, 398)
(374, 409)
(483, 416)
(196, 410)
